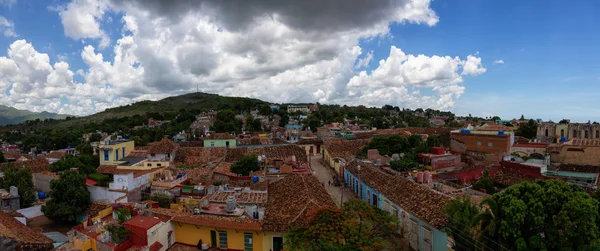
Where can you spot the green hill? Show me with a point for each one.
(10, 115)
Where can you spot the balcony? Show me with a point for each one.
(166, 183)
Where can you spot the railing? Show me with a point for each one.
(169, 183)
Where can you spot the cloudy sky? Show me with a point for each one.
(486, 58)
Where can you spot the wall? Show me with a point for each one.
(220, 142)
(445, 161)
(13, 204)
(191, 234)
(129, 146)
(267, 242)
(464, 176)
(159, 232)
(84, 243)
(41, 182)
(576, 155)
(103, 194)
(526, 151)
(500, 144)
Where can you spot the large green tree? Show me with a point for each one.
(528, 130)
(545, 215)
(69, 197)
(388, 145)
(23, 180)
(357, 226)
(461, 223)
(246, 165)
(86, 164)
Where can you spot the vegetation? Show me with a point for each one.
(545, 215)
(69, 197)
(86, 164)
(246, 165)
(2, 159)
(12, 115)
(100, 179)
(357, 226)
(123, 214)
(528, 130)
(20, 178)
(163, 200)
(403, 165)
(461, 225)
(118, 233)
(485, 183)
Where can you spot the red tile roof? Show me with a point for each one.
(235, 154)
(418, 200)
(26, 237)
(163, 146)
(286, 152)
(290, 199)
(345, 147)
(35, 164)
(198, 156)
(138, 153)
(142, 221)
(242, 198)
(209, 220)
(56, 155)
(225, 169)
(156, 246)
(220, 136)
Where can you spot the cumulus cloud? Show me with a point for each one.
(80, 20)
(263, 49)
(8, 27)
(499, 61)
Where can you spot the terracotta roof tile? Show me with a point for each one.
(346, 147)
(308, 141)
(291, 198)
(508, 178)
(220, 136)
(241, 223)
(138, 153)
(225, 169)
(197, 175)
(35, 164)
(197, 143)
(416, 199)
(27, 238)
(198, 156)
(235, 154)
(286, 152)
(163, 146)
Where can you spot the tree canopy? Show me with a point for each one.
(86, 164)
(69, 197)
(357, 226)
(246, 165)
(461, 224)
(544, 215)
(528, 130)
(23, 180)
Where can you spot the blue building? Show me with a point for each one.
(419, 210)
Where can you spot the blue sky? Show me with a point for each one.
(547, 47)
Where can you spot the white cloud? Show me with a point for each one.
(499, 61)
(472, 66)
(8, 27)
(8, 3)
(80, 20)
(275, 58)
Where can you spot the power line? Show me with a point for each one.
(488, 238)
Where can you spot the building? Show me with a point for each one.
(150, 232)
(113, 151)
(220, 140)
(437, 158)
(493, 146)
(298, 108)
(339, 149)
(418, 208)
(552, 132)
(529, 149)
(311, 145)
(9, 201)
(15, 235)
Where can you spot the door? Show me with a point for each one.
(375, 200)
(414, 235)
(277, 243)
(311, 150)
(247, 241)
(213, 238)
(427, 239)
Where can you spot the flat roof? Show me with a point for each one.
(131, 160)
(116, 142)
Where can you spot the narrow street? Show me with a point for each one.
(325, 174)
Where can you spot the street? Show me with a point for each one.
(325, 174)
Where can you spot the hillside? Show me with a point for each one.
(191, 101)
(10, 115)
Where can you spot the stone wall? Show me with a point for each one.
(41, 182)
(575, 155)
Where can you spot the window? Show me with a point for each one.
(212, 144)
(586, 134)
(574, 134)
(116, 154)
(158, 164)
(123, 151)
(152, 155)
(247, 241)
(149, 164)
(489, 144)
(479, 143)
(277, 243)
(105, 155)
(562, 132)
(6, 203)
(227, 144)
(222, 239)
(546, 133)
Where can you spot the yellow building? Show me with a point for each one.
(112, 152)
(311, 145)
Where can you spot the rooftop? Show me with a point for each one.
(131, 160)
(344, 148)
(225, 169)
(142, 221)
(418, 200)
(242, 197)
(291, 198)
(220, 136)
(115, 142)
(241, 223)
(28, 238)
(163, 146)
(199, 156)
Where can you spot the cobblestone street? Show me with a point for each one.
(325, 174)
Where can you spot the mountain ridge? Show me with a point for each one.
(10, 115)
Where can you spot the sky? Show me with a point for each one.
(485, 58)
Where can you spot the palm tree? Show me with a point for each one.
(461, 223)
(489, 222)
